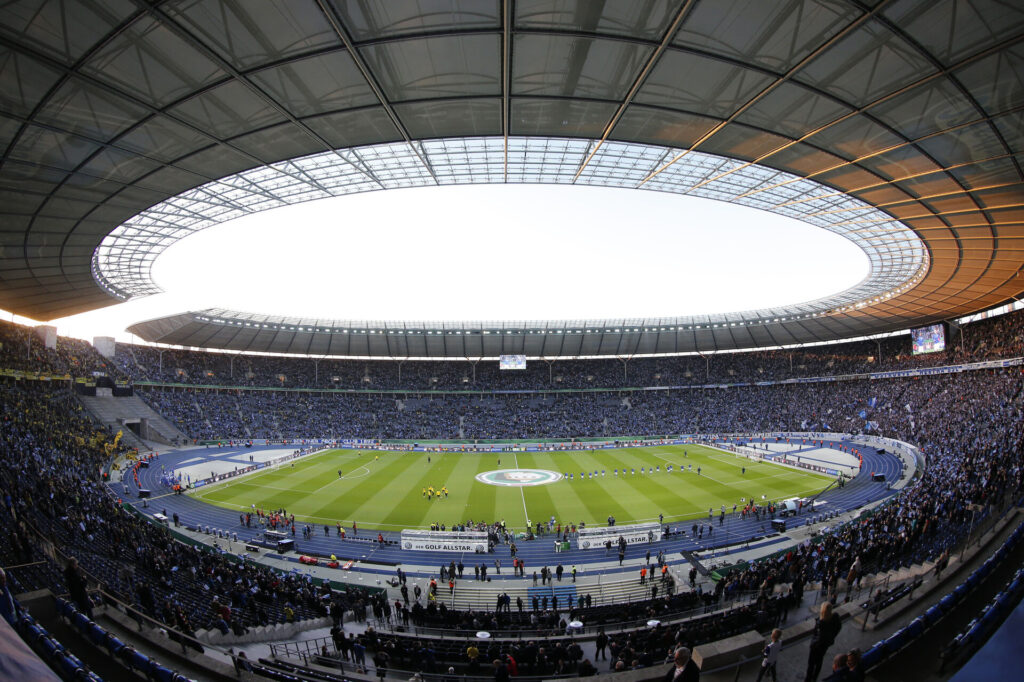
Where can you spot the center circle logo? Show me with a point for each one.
(518, 478)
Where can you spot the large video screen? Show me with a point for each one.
(511, 362)
(930, 339)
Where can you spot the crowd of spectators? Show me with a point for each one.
(881, 407)
(971, 429)
(51, 461)
(992, 338)
(554, 653)
(21, 348)
(969, 425)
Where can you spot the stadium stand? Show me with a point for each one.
(987, 339)
(967, 423)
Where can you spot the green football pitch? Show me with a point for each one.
(384, 489)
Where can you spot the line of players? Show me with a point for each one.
(643, 470)
(431, 493)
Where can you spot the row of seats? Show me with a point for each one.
(920, 625)
(979, 629)
(886, 598)
(68, 666)
(127, 655)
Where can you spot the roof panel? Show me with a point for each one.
(354, 128)
(558, 117)
(62, 30)
(367, 20)
(164, 139)
(773, 35)
(934, 106)
(970, 143)
(317, 85)
(793, 110)
(227, 110)
(647, 19)
(997, 81)
(51, 148)
(149, 59)
(25, 82)
(447, 66)
(444, 118)
(569, 66)
(246, 34)
(866, 64)
(692, 83)
(661, 126)
(951, 29)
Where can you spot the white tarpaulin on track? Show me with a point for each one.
(444, 541)
(595, 538)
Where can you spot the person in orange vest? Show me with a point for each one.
(643, 575)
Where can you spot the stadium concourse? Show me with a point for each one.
(381, 559)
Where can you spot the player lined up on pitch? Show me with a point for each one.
(656, 469)
(435, 493)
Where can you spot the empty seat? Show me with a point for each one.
(139, 661)
(66, 665)
(898, 640)
(163, 674)
(873, 656)
(49, 645)
(81, 621)
(97, 635)
(113, 644)
(916, 627)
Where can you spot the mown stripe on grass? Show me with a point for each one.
(413, 506)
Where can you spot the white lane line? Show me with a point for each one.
(522, 492)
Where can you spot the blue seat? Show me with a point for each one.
(932, 615)
(67, 666)
(990, 618)
(97, 634)
(49, 645)
(872, 657)
(897, 640)
(33, 633)
(164, 674)
(916, 627)
(81, 621)
(113, 644)
(140, 661)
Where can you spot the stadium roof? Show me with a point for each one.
(899, 124)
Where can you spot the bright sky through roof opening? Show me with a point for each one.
(494, 252)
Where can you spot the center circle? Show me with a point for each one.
(518, 478)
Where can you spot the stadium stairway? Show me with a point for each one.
(263, 633)
(114, 412)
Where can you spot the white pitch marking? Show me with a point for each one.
(522, 492)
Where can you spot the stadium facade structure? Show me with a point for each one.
(129, 125)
